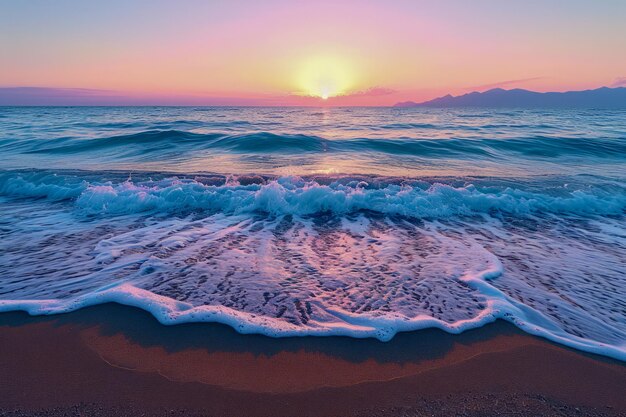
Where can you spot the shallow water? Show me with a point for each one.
(359, 222)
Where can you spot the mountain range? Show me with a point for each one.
(604, 97)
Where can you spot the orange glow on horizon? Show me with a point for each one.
(328, 52)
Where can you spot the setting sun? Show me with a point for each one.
(325, 77)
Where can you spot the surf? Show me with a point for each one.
(354, 256)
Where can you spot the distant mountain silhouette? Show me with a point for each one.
(605, 98)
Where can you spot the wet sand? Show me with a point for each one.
(117, 360)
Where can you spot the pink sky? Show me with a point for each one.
(294, 52)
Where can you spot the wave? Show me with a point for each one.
(171, 312)
(288, 277)
(301, 196)
(497, 306)
(360, 255)
(266, 142)
(350, 256)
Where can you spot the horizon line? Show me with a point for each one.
(14, 96)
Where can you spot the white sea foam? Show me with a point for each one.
(294, 195)
(292, 256)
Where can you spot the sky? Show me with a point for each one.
(290, 52)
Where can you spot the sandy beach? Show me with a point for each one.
(117, 360)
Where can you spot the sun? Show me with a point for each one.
(325, 77)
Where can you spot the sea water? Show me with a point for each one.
(360, 222)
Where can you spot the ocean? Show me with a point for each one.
(360, 222)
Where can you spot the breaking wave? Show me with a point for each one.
(353, 256)
(302, 196)
(447, 218)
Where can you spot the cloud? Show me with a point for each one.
(504, 83)
(619, 82)
(369, 92)
(372, 92)
(47, 96)
(370, 96)
(55, 96)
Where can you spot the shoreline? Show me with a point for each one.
(120, 360)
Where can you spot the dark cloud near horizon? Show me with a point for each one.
(49, 96)
(45, 96)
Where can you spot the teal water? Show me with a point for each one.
(338, 221)
(297, 141)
